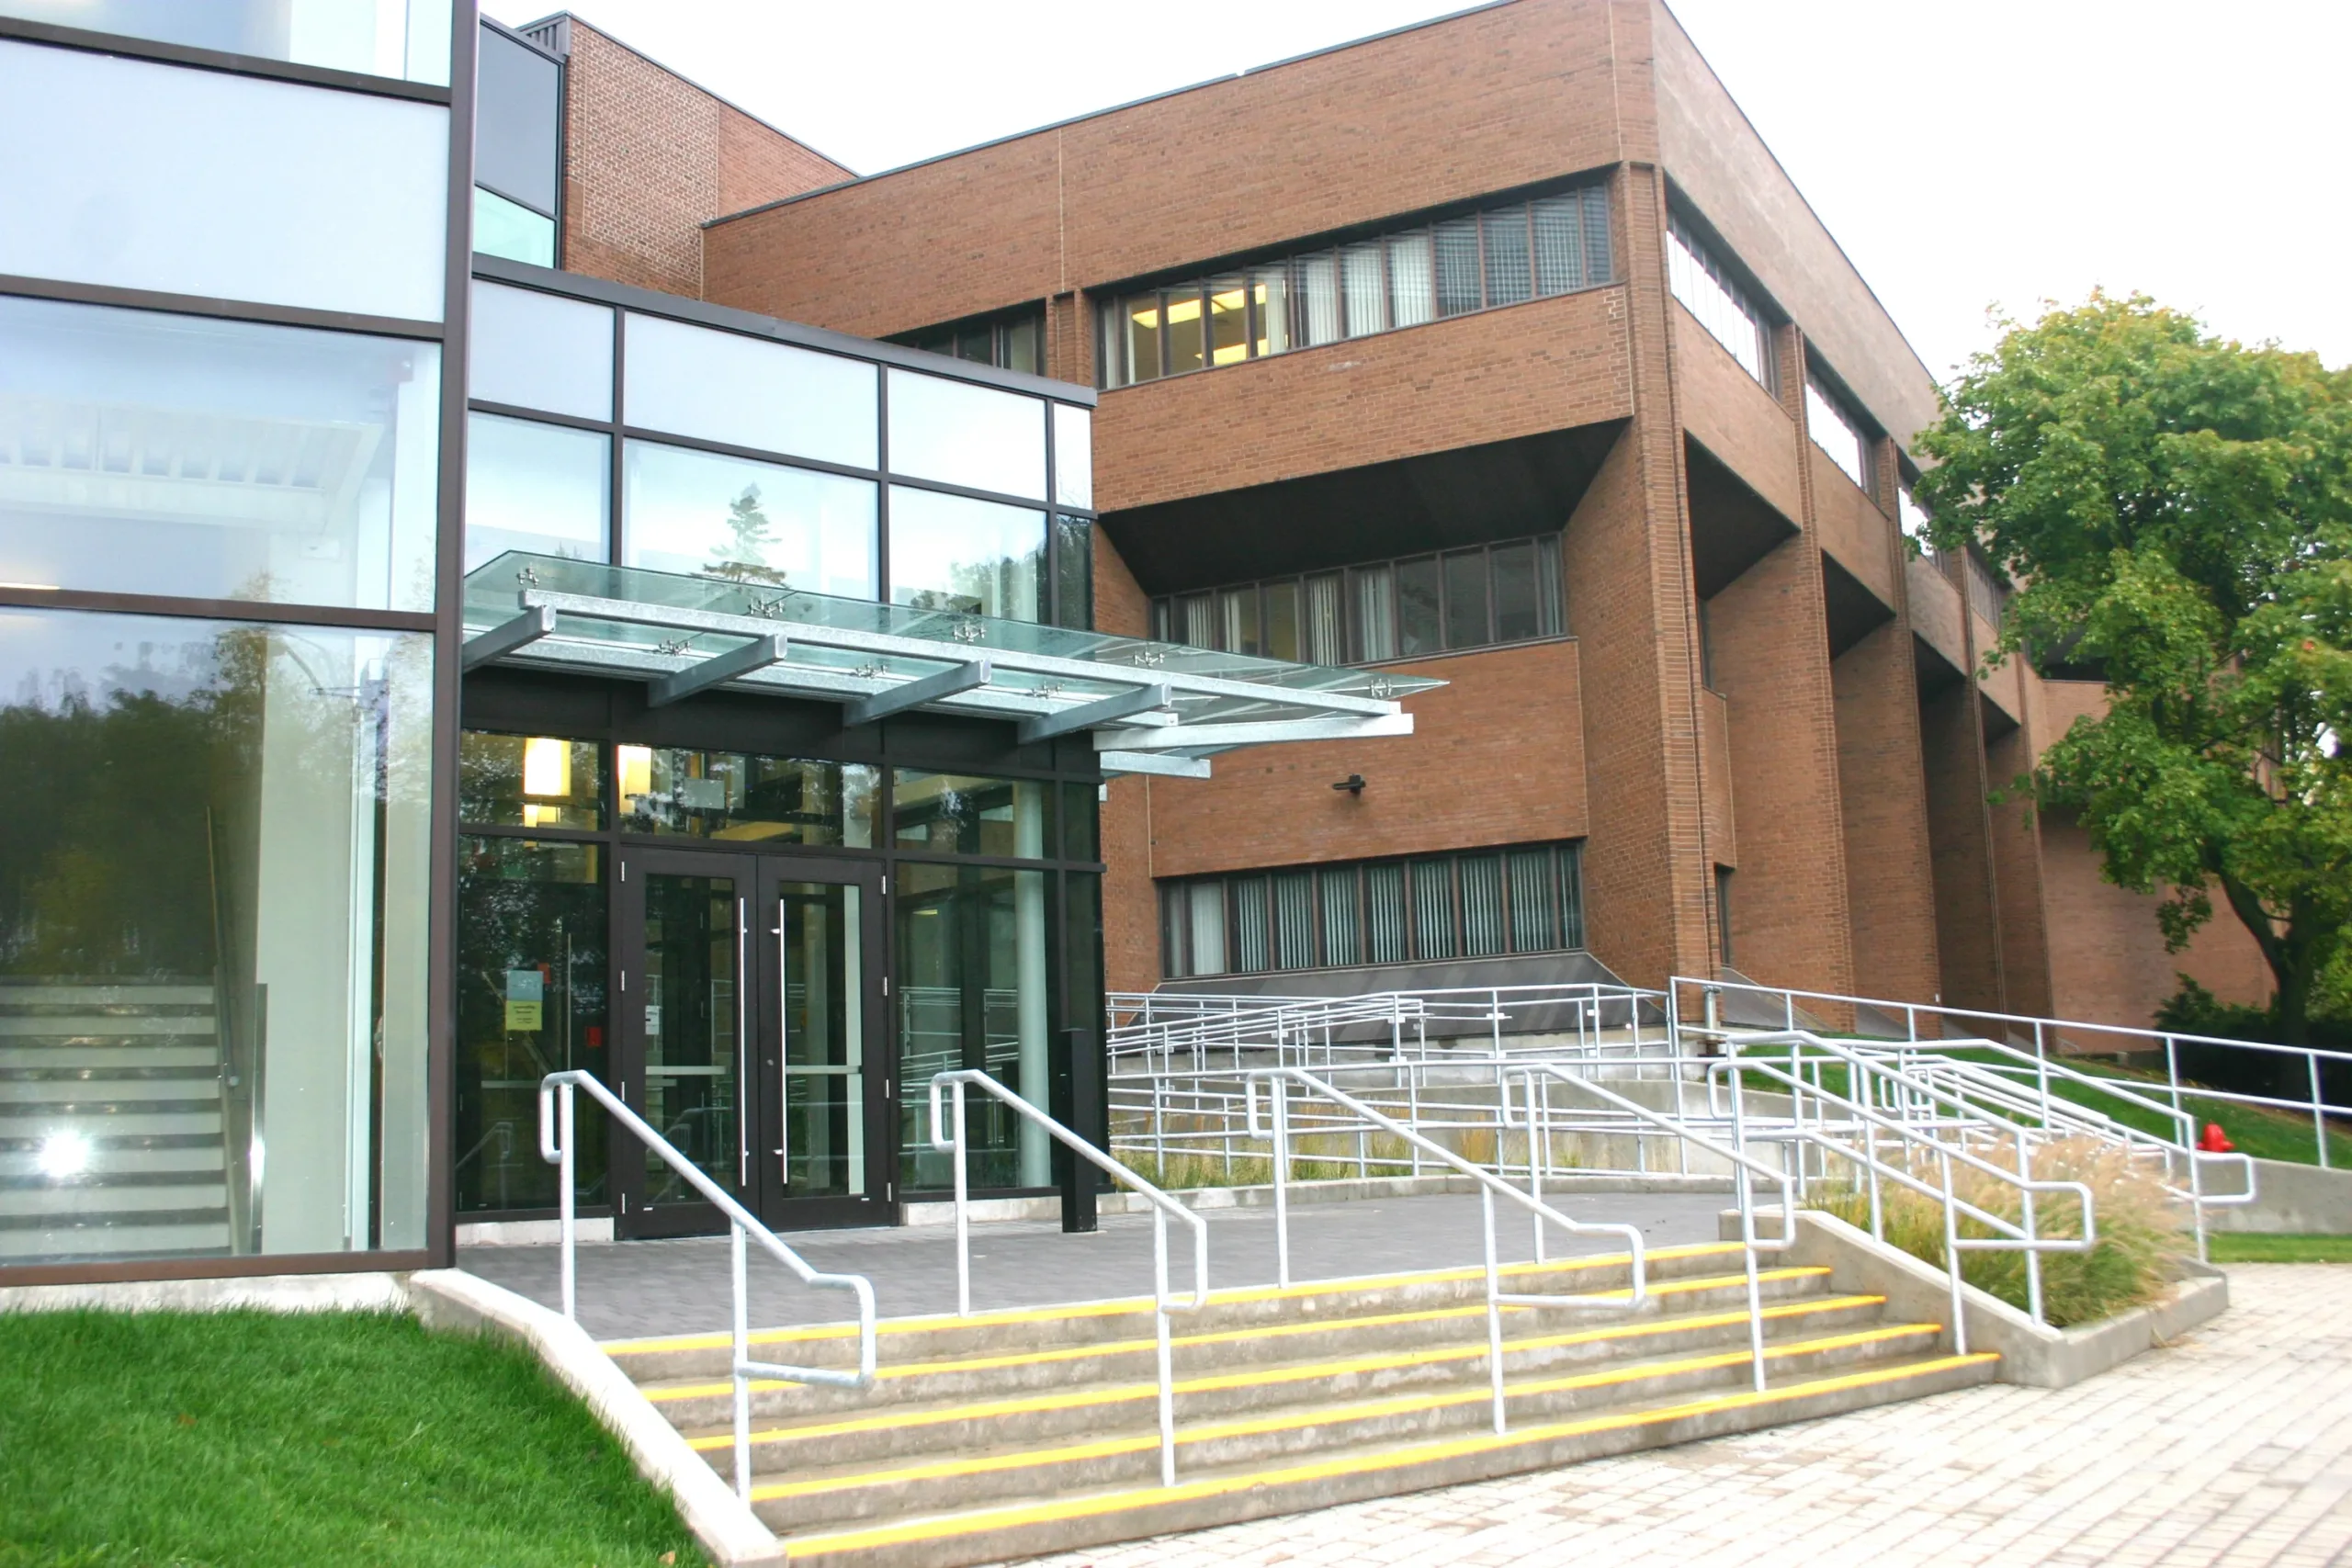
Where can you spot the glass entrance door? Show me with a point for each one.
(749, 1001)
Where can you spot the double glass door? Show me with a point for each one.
(750, 1036)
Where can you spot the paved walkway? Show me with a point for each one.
(2234, 1447)
(631, 1288)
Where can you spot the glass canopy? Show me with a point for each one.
(1151, 706)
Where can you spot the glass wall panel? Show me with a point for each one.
(1466, 599)
(1023, 344)
(1186, 340)
(960, 814)
(1081, 840)
(142, 453)
(519, 129)
(1281, 620)
(541, 488)
(748, 522)
(1229, 320)
(1458, 266)
(1418, 608)
(1342, 922)
(1073, 456)
(529, 781)
(1412, 280)
(1363, 282)
(1319, 283)
(1435, 934)
(502, 228)
(1074, 565)
(1698, 281)
(672, 792)
(1251, 948)
(746, 391)
(959, 434)
(1142, 357)
(819, 937)
(227, 186)
(1294, 920)
(1205, 936)
(1509, 279)
(1559, 244)
(694, 947)
(1838, 433)
(374, 38)
(531, 1000)
(1269, 308)
(1322, 640)
(951, 552)
(1374, 619)
(1238, 619)
(1534, 922)
(1516, 617)
(1383, 905)
(212, 944)
(540, 351)
(1482, 905)
(975, 980)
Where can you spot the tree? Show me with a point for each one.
(747, 527)
(2178, 509)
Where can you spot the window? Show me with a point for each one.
(1707, 291)
(1479, 597)
(1838, 433)
(1911, 515)
(711, 516)
(222, 864)
(716, 386)
(517, 148)
(977, 557)
(1014, 340)
(1555, 244)
(375, 38)
(146, 453)
(540, 351)
(1988, 591)
(339, 199)
(959, 434)
(1722, 915)
(1470, 903)
(540, 488)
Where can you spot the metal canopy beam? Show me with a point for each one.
(678, 618)
(914, 693)
(533, 624)
(717, 670)
(1152, 763)
(1154, 698)
(1209, 737)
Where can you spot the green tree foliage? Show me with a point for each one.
(745, 557)
(2179, 509)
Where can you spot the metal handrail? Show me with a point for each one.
(2042, 1029)
(951, 1140)
(556, 1146)
(1489, 1185)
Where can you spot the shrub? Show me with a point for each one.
(2139, 1228)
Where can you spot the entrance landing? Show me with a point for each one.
(630, 1289)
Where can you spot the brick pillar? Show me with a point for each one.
(2016, 838)
(1967, 923)
(1769, 635)
(1627, 561)
(1890, 867)
(1130, 902)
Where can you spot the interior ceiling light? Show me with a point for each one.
(65, 1155)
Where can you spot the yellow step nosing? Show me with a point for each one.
(932, 1323)
(710, 1388)
(1127, 1393)
(1327, 1414)
(1015, 1514)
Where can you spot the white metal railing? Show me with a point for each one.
(947, 1136)
(1277, 1080)
(1161, 1029)
(1923, 1022)
(559, 1146)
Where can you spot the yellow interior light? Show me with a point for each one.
(1183, 311)
(1148, 317)
(636, 771)
(546, 768)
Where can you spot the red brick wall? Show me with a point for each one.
(1890, 870)
(1495, 757)
(1967, 934)
(1473, 105)
(648, 157)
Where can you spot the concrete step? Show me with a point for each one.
(895, 1430)
(1024, 1331)
(698, 1402)
(1059, 1512)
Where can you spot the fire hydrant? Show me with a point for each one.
(2215, 1141)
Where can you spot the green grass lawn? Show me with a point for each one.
(2245, 1247)
(253, 1440)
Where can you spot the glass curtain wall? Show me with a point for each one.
(768, 466)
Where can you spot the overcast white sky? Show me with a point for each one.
(1965, 152)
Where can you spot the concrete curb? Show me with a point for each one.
(2033, 1354)
(2292, 1199)
(451, 1300)
(364, 1292)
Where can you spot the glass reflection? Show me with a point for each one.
(376, 38)
(541, 488)
(962, 813)
(142, 453)
(728, 794)
(690, 1018)
(820, 936)
(950, 552)
(516, 780)
(960, 434)
(531, 1000)
(746, 521)
(213, 933)
(540, 351)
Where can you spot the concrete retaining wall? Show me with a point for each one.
(2294, 1200)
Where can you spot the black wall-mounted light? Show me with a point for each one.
(1352, 784)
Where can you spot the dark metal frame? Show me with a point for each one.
(444, 623)
(624, 300)
(998, 325)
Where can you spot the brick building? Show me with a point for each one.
(1497, 348)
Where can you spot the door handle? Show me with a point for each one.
(782, 1052)
(743, 1049)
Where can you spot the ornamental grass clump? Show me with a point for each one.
(2139, 1228)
